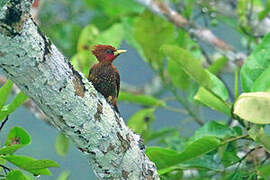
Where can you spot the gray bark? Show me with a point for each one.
(71, 103)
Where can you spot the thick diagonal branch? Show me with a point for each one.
(72, 105)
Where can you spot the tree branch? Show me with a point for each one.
(69, 101)
(199, 33)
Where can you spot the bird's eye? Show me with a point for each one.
(109, 51)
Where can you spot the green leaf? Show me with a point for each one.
(16, 139)
(193, 69)
(159, 134)
(18, 135)
(144, 100)
(64, 175)
(264, 139)
(16, 175)
(214, 97)
(256, 64)
(188, 63)
(199, 147)
(264, 13)
(171, 173)
(63, 32)
(164, 158)
(168, 170)
(217, 87)
(209, 99)
(152, 32)
(240, 175)
(121, 8)
(262, 83)
(87, 37)
(141, 121)
(177, 75)
(264, 171)
(242, 11)
(128, 25)
(113, 36)
(175, 142)
(257, 133)
(82, 61)
(61, 144)
(229, 154)
(217, 65)
(214, 129)
(36, 167)
(184, 41)
(4, 92)
(253, 107)
(16, 102)
(204, 162)
(10, 149)
(189, 8)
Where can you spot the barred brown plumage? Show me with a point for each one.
(104, 75)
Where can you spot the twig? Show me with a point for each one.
(265, 159)
(228, 88)
(5, 169)
(169, 108)
(235, 138)
(194, 30)
(244, 157)
(183, 103)
(3, 123)
(149, 88)
(172, 98)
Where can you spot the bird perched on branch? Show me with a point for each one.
(104, 75)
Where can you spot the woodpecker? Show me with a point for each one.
(104, 75)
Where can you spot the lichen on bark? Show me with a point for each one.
(72, 105)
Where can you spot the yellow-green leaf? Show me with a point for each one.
(4, 92)
(152, 32)
(141, 121)
(16, 102)
(253, 107)
(61, 144)
(207, 98)
(144, 100)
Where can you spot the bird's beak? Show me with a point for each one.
(118, 52)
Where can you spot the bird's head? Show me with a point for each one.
(106, 53)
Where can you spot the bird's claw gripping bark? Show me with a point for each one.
(110, 99)
(112, 102)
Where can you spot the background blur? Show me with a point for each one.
(76, 25)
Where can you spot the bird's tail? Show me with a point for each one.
(115, 106)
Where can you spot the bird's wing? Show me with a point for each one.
(91, 75)
(117, 79)
(117, 82)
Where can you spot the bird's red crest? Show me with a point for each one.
(104, 52)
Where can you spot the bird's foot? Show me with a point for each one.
(110, 99)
